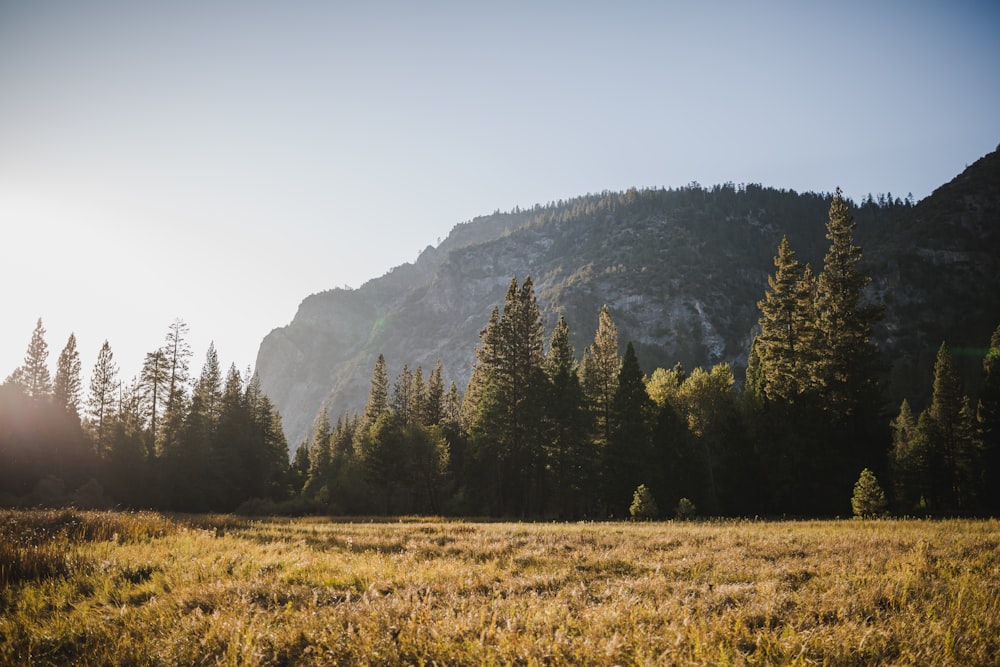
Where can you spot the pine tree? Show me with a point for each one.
(988, 425)
(786, 342)
(178, 356)
(868, 500)
(599, 376)
(154, 379)
(33, 375)
(434, 402)
(319, 451)
(402, 402)
(946, 427)
(846, 368)
(628, 455)
(908, 461)
(378, 395)
(567, 425)
(643, 504)
(509, 367)
(67, 389)
(101, 400)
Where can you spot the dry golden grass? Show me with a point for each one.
(145, 589)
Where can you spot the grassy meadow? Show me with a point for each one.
(105, 588)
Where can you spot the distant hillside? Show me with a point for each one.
(681, 270)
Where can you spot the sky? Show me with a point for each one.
(220, 161)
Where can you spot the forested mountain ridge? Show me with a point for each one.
(680, 269)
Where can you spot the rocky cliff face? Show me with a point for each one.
(681, 271)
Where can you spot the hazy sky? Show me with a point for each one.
(219, 161)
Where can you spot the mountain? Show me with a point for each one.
(680, 269)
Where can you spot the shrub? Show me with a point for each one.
(868, 500)
(685, 509)
(643, 504)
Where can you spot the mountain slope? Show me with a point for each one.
(681, 271)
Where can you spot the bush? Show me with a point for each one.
(868, 500)
(685, 509)
(643, 504)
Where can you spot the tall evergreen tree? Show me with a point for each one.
(988, 425)
(402, 403)
(947, 428)
(847, 366)
(434, 403)
(567, 426)
(154, 385)
(599, 374)
(319, 451)
(67, 389)
(628, 456)
(786, 343)
(178, 355)
(510, 360)
(907, 461)
(33, 375)
(101, 400)
(378, 395)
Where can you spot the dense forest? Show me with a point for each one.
(539, 431)
(165, 440)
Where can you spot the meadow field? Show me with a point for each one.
(106, 588)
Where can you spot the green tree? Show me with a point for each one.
(567, 451)
(947, 429)
(434, 403)
(868, 500)
(320, 460)
(785, 346)
(908, 461)
(101, 400)
(599, 377)
(847, 366)
(378, 395)
(706, 400)
(154, 382)
(643, 504)
(386, 457)
(509, 365)
(988, 425)
(628, 455)
(33, 375)
(67, 389)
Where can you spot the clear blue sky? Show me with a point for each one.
(220, 161)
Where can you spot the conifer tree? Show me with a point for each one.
(486, 359)
(67, 388)
(509, 369)
(378, 395)
(177, 351)
(868, 500)
(599, 376)
(33, 375)
(946, 427)
(402, 403)
(154, 379)
(101, 400)
(628, 455)
(908, 461)
(319, 451)
(988, 425)
(846, 368)
(786, 343)
(434, 403)
(567, 425)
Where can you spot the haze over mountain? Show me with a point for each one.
(681, 270)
